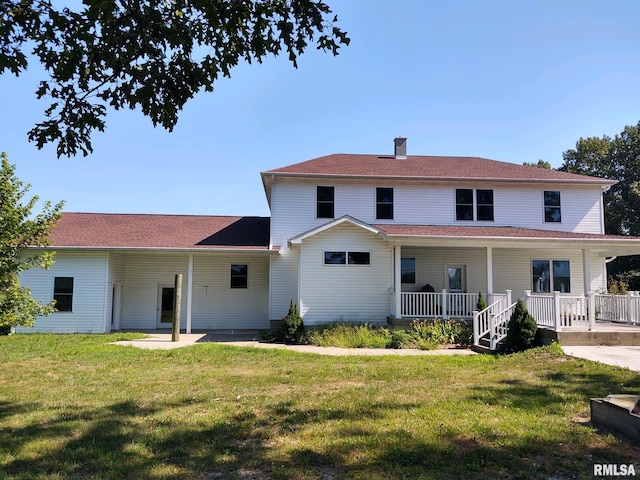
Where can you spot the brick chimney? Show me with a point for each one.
(400, 148)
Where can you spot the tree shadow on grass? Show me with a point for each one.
(129, 440)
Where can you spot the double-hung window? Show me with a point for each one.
(484, 205)
(239, 276)
(63, 293)
(384, 203)
(552, 213)
(548, 274)
(325, 203)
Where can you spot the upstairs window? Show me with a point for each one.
(239, 276)
(484, 205)
(552, 212)
(464, 204)
(63, 293)
(325, 202)
(551, 273)
(384, 203)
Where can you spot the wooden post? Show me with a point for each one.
(177, 299)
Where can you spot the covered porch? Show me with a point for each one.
(557, 274)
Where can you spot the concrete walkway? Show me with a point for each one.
(618, 356)
(162, 341)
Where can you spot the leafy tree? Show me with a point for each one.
(19, 230)
(616, 158)
(540, 164)
(151, 54)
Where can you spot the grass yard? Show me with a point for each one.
(73, 406)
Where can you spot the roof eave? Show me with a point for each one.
(587, 181)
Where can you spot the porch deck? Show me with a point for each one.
(603, 334)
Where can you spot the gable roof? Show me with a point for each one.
(334, 223)
(147, 231)
(433, 168)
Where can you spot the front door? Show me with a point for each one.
(165, 307)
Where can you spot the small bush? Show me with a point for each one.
(482, 303)
(5, 330)
(521, 330)
(401, 339)
(292, 328)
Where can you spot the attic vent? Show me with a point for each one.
(400, 148)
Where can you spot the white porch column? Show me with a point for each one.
(189, 292)
(586, 270)
(489, 270)
(397, 280)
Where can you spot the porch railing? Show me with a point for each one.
(561, 312)
(492, 321)
(618, 308)
(441, 304)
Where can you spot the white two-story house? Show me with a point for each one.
(351, 238)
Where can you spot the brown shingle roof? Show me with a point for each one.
(491, 232)
(417, 167)
(140, 231)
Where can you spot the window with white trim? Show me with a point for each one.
(551, 273)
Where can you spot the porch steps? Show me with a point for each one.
(485, 346)
(602, 335)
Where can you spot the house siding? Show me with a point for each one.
(143, 273)
(294, 206)
(218, 306)
(283, 283)
(330, 293)
(88, 270)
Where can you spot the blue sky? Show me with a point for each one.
(512, 81)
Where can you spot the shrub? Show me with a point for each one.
(5, 330)
(442, 332)
(350, 335)
(521, 330)
(292, 328)
(482, 303)
(401, 339)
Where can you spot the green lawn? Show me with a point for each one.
(73, 406)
